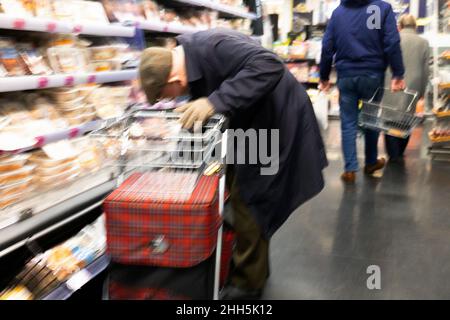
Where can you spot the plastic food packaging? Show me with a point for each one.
(13, 162)
(10, 141)
(34, 62)
(103, 52)
(16, 175)
(43, 161)
(105, 65)
(55, 170)
(16, 187)
(12, 62)
(66, 59)
(65, 95)
(62, 150)
(61, 178)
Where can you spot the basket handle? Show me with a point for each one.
(407, 91)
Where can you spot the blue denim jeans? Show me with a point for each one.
(351, 90)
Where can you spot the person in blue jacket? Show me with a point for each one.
(363, 39)
(229, 73)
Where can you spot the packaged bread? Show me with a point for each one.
(18, 187)
(12, 163)
(40, 159)
(16, 175)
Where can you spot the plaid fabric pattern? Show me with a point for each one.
(134, 220)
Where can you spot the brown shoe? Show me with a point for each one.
(348, 177)
(370, 169)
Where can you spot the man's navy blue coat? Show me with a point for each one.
(251, 86)
(360, 47)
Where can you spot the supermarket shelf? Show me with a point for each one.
(69, 133)
(69, 203)
(233, 11)
(76, 281)
(158, 26)
(8, 84)
(55, 26)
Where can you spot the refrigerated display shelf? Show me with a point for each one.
(79, 279)
(9, 84)
(53, 209)
(223, 8)
(69, 133)
(157, 26)
(55, 26)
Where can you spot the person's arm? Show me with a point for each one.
(328, 52)
(392, 48)
(253, 72)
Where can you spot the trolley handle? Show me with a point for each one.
(406, 91)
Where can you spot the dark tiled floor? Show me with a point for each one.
(399, 222)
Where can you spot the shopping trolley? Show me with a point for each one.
(165, 163)
(390, 112)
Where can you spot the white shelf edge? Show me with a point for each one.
(55, 26)
(9, 84)
(221, 7)
(164, 27)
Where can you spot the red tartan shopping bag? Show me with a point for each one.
(146, 230)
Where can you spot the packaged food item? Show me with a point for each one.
(63, 10)
(108, 111)
(154, 128)
(13, 162)
(103, 52)
(71, 104)
(17, 8)
(61, 178)
(43, 9)
(66, 59)
(65, 94)
(34, 62)
(16, 187)
(90, 157)
(16, 175)
(89, 11)
(19, 292)
(40, 159)
(62, 150)
(106, 65)
(55, 170)
(12, 62)
(86, 90)
(10, 141)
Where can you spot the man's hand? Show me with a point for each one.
(397, 85)
(197, 111)
(324, 85)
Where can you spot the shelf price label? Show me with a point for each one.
(51, 27)
(42, 82)
(40, 141)
(91, 78)
(69, 81)
(19, 24)
(74, 132)
(77, 28)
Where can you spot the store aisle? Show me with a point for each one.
(400, 222)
